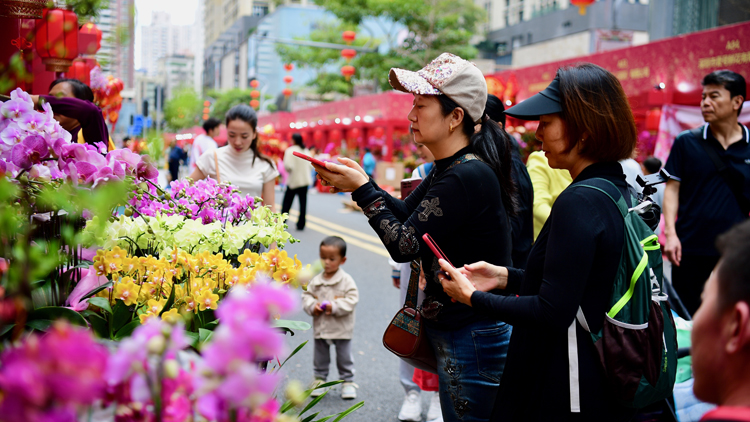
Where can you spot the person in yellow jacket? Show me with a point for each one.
(548, 183)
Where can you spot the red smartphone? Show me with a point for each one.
(435, 248)
(310, 159)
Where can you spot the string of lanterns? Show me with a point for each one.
(348, 54)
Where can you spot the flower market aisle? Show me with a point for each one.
(376, 368)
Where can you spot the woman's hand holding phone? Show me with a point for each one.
(344, 177)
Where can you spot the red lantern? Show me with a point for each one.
(288, 79)
(254, 103)
(206, 110)
(205, 117)
(254, 83)
(347, 71)
(317, 135)
(348, 54)
(334, 136)
(378, 132)
(582, 5)
(79, 70)
(57, 39)
(653, 117)
(349, 36)
(207, 103)
(288, 67)
(89, 38)
(287, 92)
(255, 94)
(354, 133)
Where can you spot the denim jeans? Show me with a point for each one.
(470, 363)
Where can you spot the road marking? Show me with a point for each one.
(366, 237)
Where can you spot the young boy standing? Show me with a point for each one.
(330, 299)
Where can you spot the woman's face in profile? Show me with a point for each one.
(427, 120)
(551, 132)
(64, 89)
(240, 135)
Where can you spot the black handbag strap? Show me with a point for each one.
(733, 178)
(413, 290)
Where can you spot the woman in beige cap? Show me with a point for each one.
(463, 204)
(553, 371)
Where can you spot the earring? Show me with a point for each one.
(452, 129)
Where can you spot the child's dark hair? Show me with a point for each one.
(337, 242)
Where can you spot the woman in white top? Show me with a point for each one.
(239, 162)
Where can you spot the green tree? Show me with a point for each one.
(228, 99)
(433, 27)
(183, 109)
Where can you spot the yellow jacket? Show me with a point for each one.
(548, 183)
(110, 144)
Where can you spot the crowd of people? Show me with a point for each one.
(532, 250)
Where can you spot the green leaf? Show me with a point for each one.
(211, 325)
(121, 315)
(293, 353)
(98, 324)
(101, 302)
(127, 330)
(311, 417)
(291, 325)
(325, 419)
(39, 324)
(53, 313)
(6, 328)
(204, 335)
(42, 296)
(193, 338)
(97, 290)
(170, 301)
(313, 402)
(346, 412)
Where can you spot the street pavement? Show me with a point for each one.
(367, 262)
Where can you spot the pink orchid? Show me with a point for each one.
(89, 281)
(41, 172)
(31, 150)
(146, 169)
(33, 122)
(14, 109)
(21, 95)
(12, 134)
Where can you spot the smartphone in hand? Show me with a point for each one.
(437, 251)
(310, 159)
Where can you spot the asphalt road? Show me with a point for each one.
(367, 262)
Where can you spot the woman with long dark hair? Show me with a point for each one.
(585, 126)
(463, 203)
(240, 162)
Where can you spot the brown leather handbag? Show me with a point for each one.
(405, 336)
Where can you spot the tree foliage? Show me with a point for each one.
(228, 99)
(431, 27)
(183, 109)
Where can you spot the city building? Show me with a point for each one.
(528, 32)
(116, 55)
(175, 72)
(161, 39)
(685, 16)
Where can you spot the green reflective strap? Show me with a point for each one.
(651, 243)
(629, 294)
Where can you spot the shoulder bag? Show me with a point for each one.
(405, 336)
(216, 162)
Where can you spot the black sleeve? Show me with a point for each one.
(575, 228)
(444, 201)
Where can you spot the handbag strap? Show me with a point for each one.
(734, 179)
(412, 290)
(216, 162)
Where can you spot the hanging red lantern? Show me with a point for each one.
(349, 36)
(317, 135)
(22, 9)
(79, 70)
(582, 5)
(653, 117)
(378, 132)
(288, 67)
(206, 110)
(348, 54)
(288, 79)
(348, 71)
(205, 116)
(354, 133)
(57, 39)
(334, 136)
(254, 103)
(254, 83)
(207, 103)
(255, 94)
(89, 38)
(287, 92)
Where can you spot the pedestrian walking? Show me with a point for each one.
(709, 189)
(177, 156)
(330, 298)
(298, 181)
(205, 141)
(464, 205)
(368, 163)
(586, 126)
(240, 162)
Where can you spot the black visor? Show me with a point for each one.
(545, 102)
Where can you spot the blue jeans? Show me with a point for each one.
(470, 363)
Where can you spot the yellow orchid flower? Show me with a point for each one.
(127, 291)
(145, 317)
(207, 300)
(285, 275)
(171, 316)
(155, 306)
(248, 258)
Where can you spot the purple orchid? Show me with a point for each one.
(12, 134)
(146, 169)
(15, 109)
(33, 122)
(89, 281)
(31, 151)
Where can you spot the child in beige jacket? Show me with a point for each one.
(330, 298)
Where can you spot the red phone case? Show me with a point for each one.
(435, 248)
(308, 158)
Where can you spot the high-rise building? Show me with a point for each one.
(199, 43)
(116, 55)
(175, 72)
(162, 39)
